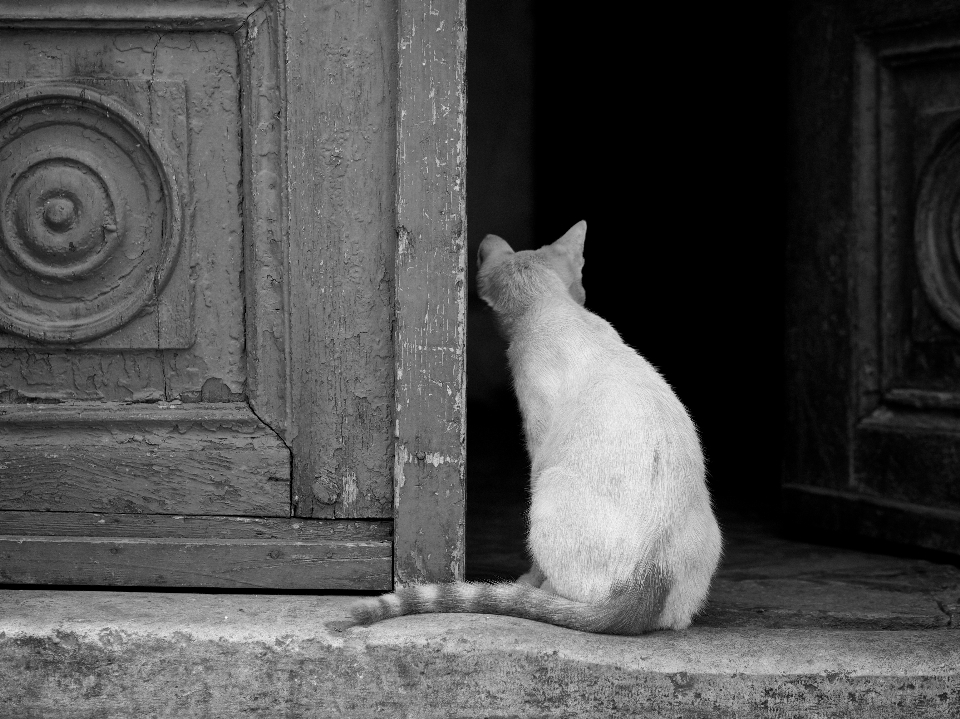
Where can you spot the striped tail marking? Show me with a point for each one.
(628, 611)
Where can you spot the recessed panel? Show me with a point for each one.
(916, 98)
(91, 217)
(121, 220)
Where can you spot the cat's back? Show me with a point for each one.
(609, 394)
(601, 366)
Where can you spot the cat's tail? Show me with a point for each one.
(628, 610)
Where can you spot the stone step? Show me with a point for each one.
(86, 654)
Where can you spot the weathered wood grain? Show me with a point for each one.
(89, 524)
(430, 311)
(168, 562)
(340, 135)
(203, 551)
(265, 262)
(166, 459)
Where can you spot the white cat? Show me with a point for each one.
(622, 533)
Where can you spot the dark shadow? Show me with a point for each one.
(666, 132)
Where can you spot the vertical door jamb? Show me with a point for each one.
(430, 329)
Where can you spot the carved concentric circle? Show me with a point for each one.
(60, 220)
(90, 214)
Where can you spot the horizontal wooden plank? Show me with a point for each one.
(905, 420)
(85, 524)
(119, 414)
(131, 14)
(223, 563)
(156, 459)
(904, 455)
(813, 511)
(922, 398)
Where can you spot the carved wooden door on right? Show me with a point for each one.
(874, 272)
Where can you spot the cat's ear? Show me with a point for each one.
(491, 248)
(573, 240)
(570, 246)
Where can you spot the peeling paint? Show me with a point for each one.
(436, 459)
(430, 296)
(348, 496)
(344, 238)
(178, 88)
(401, 458)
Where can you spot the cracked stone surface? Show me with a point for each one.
(792, 629)
(122, 654)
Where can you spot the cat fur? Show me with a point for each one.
(622, 532)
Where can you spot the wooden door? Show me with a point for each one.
(874, 272)
(199, 212)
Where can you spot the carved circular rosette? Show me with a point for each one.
(937, 229)
(90, 214)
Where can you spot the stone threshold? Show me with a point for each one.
(106, 654)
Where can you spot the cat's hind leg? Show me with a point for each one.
(693, 554)
(534, 577)
(584, 542)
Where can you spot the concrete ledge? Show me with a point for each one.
(128, 654)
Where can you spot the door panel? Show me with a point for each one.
(906, 444)
(174, 194)
(79, 141)
(149, 186)
(874, 299)
(142, 458)
(146, 421)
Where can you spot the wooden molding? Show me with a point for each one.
(909, 456)
(154, 562)
(922, 398)
(149, 458)
(226, 15)
(340, 173)
(266, 264)
(197, 551)
(431, 304)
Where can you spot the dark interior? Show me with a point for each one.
(666, 131)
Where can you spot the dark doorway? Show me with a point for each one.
(674, 153)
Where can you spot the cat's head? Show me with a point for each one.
(509, 281)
